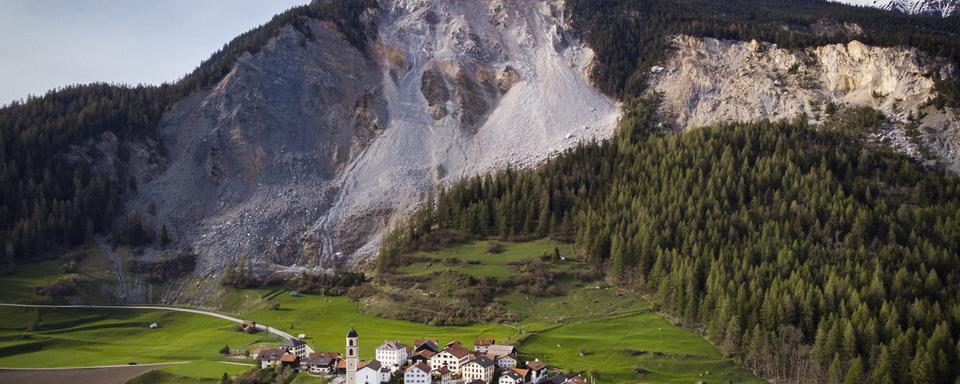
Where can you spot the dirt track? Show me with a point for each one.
(116, 375)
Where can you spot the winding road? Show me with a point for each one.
(160, 308)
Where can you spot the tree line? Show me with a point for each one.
(800, 250)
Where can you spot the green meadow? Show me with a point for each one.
(37, 338)
(609, 335)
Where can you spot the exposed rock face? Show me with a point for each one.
(250, 162)
(310, 148)
(942, 8)
(706, 81)
(491, 83)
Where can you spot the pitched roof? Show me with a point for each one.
(481, 342)
(432, 343)
(421, 366)
(321, 358)
(456, 350)
(501, 350)
(352, 333)
(331, 355)
(342, 364)
(270, 354)
(425, 353)
(293, 343)
(513, 375)
(374, 365)
(289, 358)
(536, 365)
(520, 371)
(392, 345)
(500, 357)
(443, 371)
(483, 361)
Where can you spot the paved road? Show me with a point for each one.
(159, 308)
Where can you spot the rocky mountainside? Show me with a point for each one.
(944, 8)
(706, 81)
(306, 150)
(300, 142)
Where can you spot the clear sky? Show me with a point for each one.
(45, 44)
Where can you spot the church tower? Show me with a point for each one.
(351, 357)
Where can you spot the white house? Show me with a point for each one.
(417, 374)
(453, 357)
(320, 363)
(373, 373)
(506, 361)
(538, 370)
(393, 354)
(296, 347)
(511, 377)
(270, 358)
(481, 368)
(481, 344)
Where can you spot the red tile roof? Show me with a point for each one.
(457, 350)
(536, 365)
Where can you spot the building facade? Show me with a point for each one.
(417, 374)
(392, 354)
(481, 368)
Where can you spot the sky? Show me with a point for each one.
(46, 44)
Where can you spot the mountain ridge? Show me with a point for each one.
(943, 8)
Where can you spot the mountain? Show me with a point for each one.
(302, 141)
(944, 8)
(780, 175)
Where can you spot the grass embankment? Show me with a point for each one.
(587, 327)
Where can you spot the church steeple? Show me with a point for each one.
(352, 356)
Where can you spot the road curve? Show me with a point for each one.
(272, 330)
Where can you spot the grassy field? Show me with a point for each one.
(77, 338)
(325, 321)
(489, 264)
(611, 335)
(614, 349)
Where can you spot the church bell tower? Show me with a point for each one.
(351, 356)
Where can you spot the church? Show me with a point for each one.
(372, 372)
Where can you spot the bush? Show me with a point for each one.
(329, 284)
(494, 247)
(64, 286)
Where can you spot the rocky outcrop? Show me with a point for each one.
(309, 148)
(250, 162)
(490, 83)
(705, 81)
(943, 8)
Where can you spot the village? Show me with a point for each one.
(423, 362)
